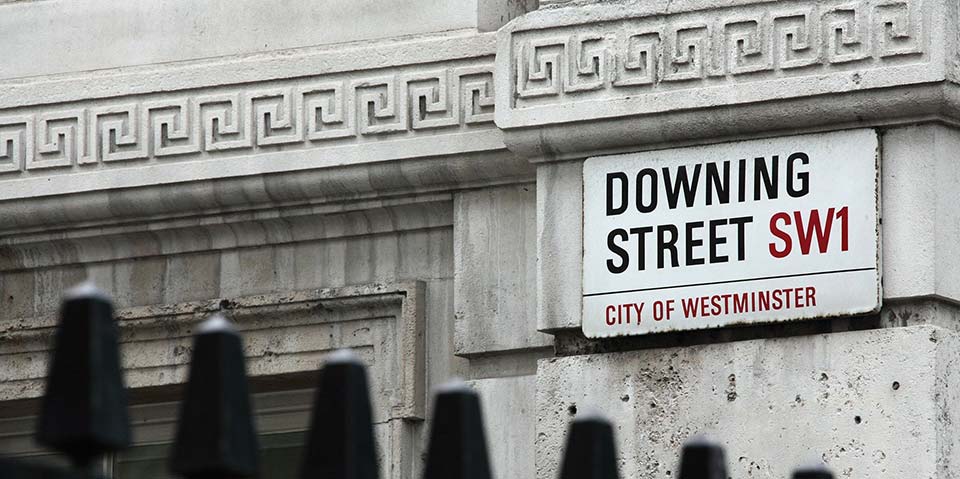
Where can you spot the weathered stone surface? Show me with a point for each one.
(323, 190)
(164, 266)
(592, 76)
(921, 220)
(184, 122)
(877, 403)
(383, 322)
(495, 270)
(101, 34)
(559, 245)
(265, 173)
(284, 334)
(509, 411)
(911, 312)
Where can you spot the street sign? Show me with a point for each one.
(746, 232)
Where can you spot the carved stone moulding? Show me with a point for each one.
(212, 124)
(717, 68)
(382, 322)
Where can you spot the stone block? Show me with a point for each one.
(873, 403)
(559, 245)
(495, 270)
(438, 313)
(919, 207)
(138, 282)
(584, 79)
(192, 277)
(508, 410)
(49, 284)
(16, 294)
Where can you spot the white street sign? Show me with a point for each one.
(753, 231)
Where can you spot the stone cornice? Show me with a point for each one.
(717, 68)
(416, 115)
(287, 111)
(224, 232)
(164, 333)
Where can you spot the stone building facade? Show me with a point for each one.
(406, 178)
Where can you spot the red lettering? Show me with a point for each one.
(805, 235)
(763, 301)
(740, 303)
(844, 233)
(811, 296)
(776, 231)
(639, 308)
(689, 307)
(715, 301)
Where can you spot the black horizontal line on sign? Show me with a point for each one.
(854, 270)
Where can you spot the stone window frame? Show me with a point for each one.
(383, 322)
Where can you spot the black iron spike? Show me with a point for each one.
(215, 437)
(84, 408)
(702, 459)
(816, 470)
(590, 451)
(458, 446)
(340, 443)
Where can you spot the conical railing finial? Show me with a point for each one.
(84, 408)
(458, 446)
(216, 438)
(702, 459)
(590, 451)
(340, 443)
(814, 470)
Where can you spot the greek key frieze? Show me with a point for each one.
(16, 143)
(295, 113)
(726, 46)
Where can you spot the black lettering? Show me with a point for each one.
(743, 180)
(667, 245)
(617, 250)
(693, 243)
(741, 223)
(717, 186)
(641, 234)
(611, 209)
(684, 182)
(770, 179)
(802, 177)
(641, 207)
(716, 241)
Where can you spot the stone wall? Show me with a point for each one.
(406, 178)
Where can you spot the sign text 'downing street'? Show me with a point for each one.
(754, 231)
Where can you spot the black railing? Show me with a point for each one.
(84, 415)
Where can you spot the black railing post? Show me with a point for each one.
(215, 437)
(702, 459)
(590, 452)
(84, 415)
(458, 446)
(16, 469)
(817, 470)
(84, 409)
(340, 443)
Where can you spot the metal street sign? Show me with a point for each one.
(753, 231)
